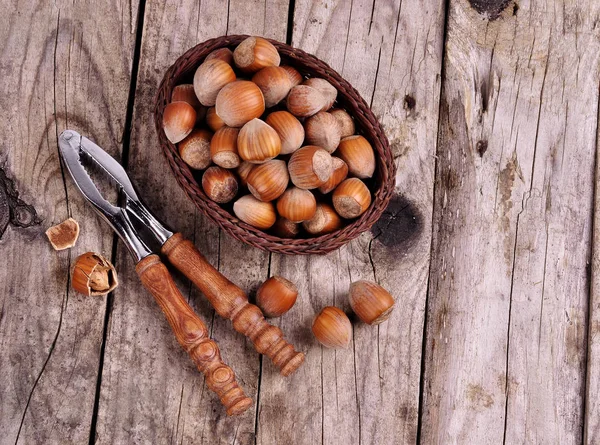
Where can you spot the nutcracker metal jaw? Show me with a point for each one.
(75, 150)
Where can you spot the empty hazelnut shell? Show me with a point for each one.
(93, 275)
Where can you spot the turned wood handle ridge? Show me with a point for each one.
(231, 302)
(192, 334)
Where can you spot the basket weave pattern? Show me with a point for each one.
(348, 98)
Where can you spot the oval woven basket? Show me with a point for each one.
(381, 185)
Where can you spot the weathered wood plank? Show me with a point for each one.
(61, 67)
(591, 429)
(151, 391)
(512, 223)
(370, 393)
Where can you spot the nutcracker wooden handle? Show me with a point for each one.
(192, 334)
(232, 303)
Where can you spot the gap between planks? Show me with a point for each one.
(124, 162)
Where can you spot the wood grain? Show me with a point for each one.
(388, 52)
(512, 223)
(61, 67)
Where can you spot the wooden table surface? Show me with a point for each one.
(491, 107)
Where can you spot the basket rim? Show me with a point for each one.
(366, 122)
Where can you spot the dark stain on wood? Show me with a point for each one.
(451, 179)
(409, 102)
(12, 208)
(478, 397)
(400, 225)
(481, 147)
(490, 8)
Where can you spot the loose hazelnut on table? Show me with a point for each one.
(276, 296)
(332, 328)
(371, 302)
(64, 235)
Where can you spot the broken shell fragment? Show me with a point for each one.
(63, 235)
(93, 275)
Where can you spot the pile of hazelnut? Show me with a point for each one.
(293, 159)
